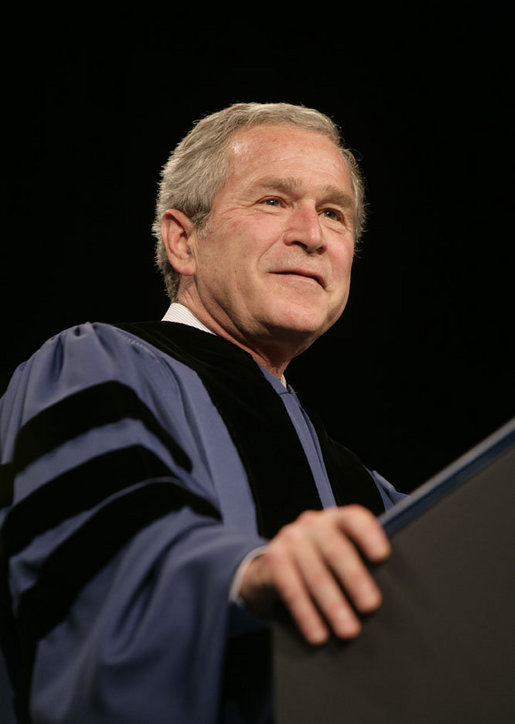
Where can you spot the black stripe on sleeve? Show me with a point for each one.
(6, 484)
(77, 490)
(86, 552)
(99, 405)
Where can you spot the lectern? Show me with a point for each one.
(441, 650)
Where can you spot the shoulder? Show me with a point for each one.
(88, 352)
(82, 358)
(89, 388)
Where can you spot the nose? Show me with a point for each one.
(304, 229)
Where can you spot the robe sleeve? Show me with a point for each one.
(118, 564)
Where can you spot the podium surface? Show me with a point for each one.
(441, 648)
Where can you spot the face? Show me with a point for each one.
(273, 266)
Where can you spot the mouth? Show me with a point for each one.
(305, 274)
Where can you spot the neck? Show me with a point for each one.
(272, 351)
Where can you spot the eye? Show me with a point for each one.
(272, 201)
(334, 215)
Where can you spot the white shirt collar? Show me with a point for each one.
(179, 313)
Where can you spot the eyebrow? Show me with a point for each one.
(330, 194)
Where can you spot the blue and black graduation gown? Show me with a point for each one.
(140, 464)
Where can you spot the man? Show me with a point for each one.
(155, 475)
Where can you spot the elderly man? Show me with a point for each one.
(164, 491)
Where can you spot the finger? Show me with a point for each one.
(291, 588)
(364, 529)
(336, 533)
(347, 566)
(325, 591)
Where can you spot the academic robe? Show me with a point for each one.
(140, 464)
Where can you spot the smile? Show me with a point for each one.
(303, 274)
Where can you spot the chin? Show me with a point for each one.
(307, 319)
(307, 327)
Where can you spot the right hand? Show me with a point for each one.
(315, 568)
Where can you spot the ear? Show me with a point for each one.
(176, 232)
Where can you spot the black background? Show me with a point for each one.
(420, 366)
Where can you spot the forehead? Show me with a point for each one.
(285, 151)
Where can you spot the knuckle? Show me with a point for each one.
(309, 517)
(357, 511)
(290, 534)
(333, 553)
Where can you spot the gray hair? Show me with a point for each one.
(198, 167)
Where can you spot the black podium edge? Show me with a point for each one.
(457, 473)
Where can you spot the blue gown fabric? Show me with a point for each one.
(126, 510)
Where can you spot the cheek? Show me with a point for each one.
(342, 262)
(256, 233)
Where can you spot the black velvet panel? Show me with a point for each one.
(350, 480)
(279, 474)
